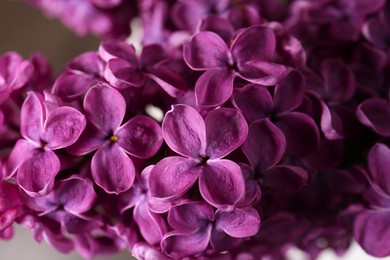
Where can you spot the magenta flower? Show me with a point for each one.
(33, 157)
(196, 225)
(112, 169)
(10, 205)
(248, 57)
(67, 204)
(124, 69)
(202, 143)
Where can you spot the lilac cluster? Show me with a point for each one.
(274, 131)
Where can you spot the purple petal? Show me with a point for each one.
(254, 43)
(218, 25)
(36, 175)
(184, 131)
(375, 114)
(262, 72)
(339, 80)
(301, 132)
(190, 216)
(265, 144)
(21, 151)
(214, 87)
(140, 136)
(331, 123)
(153, 55)
(121, 74)
(285, 179)
(90, 140)
(151, 225)
(112, 169)
(254, 101)
(70, 86)
(290, 92)
(144, 251)
(187, 14)
(371, 230)
(105, 107)
(172, 177)
(63, 127)
(252, 190)
(178, 245)
(226, 130)
(31, 118)
(239, 223)
(75, 194)
(169, 80)
(379, 166)
(118, 49)
(222, 183)
(206, 50)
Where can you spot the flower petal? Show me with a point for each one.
(63, 127)
(112, 169)
(179, 246)
(262, 72)
(105, 107)
(169, 80)
(206, 50)
(331, 123)
(375, 113)
(290, 92)
(75, 194)
(379, 166)
(254, 101)
(121, 74)
(21, 151)
(254, 43)
(184, 131)
(240, 223)
(265, 144)
(301, 132)
(141, 137)
(90, 140)
(36, 175)
(214, 87)
(372, 232)
(285, 180)
(172, 177)
(222, 183)
(118, 49)
(226, 130)
(31, 118)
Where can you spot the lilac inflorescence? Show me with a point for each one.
(274, 134)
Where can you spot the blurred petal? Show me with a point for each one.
(226, 130)
(206, 50)
(169, 80)
(141, 137)
(254, 43)
(172, 177)
(285, 180)
(144, 251)
(21, 152)
(301, 132)
(105, 107)
(122, 74)
(331, 123)
(184, 131)
(63, 127)
(118, 49)
(76, 194)
(36, 175)
(222, 183)
(244, 222)
(290, 92)
(375, 113)
(265, 144)
(31, 118)
(254, 101)
(214, 87)
(379, 166)
(112, 169)
(372, 232)
(219, 25)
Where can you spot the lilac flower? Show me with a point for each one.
(110, 19)
(81, 74)
(124, 69)
(371, 225)
(67, 204)
(202, 143)
(196, 225)
(33, 157)
(247, 57)
(112, 169)
(376, 29)
(14, 73)
(10, 205)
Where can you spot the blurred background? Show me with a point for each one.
(25, 30)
